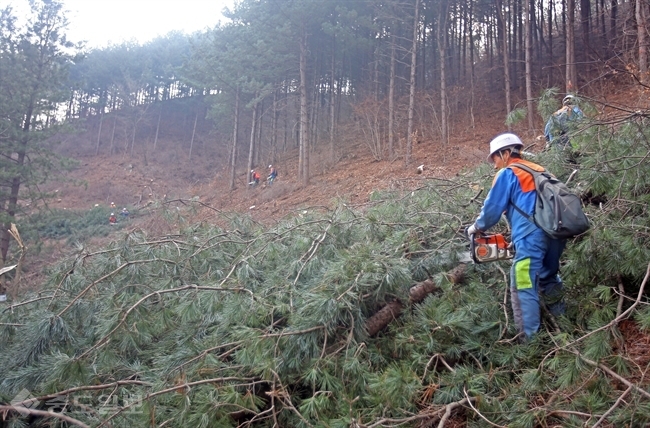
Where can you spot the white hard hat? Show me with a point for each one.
(504, 141)
(569, 99)
(270, 166)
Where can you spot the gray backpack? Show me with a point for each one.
(558, 211)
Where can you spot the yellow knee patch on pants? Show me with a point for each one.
(522, 274)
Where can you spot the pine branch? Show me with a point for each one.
(619, 318)
(611, 409)
(108, 275)
(16, 305)
(611, 373)
(44, 413)
(448, 409)
(106, 337)
(29, 402)
(451, 407)
(310, 253)
(176, 388)
(285, 398)
(205, 352)
(469, 401)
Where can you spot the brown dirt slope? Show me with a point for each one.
(355, 174)
(170, 175)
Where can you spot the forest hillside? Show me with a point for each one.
(339, 309)
(340, 295)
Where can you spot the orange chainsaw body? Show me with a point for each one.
(489, 248)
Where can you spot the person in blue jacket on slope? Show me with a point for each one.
(537, 257)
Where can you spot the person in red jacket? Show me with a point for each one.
(255, 178)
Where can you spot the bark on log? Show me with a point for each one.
(417, 293)
(383, 317)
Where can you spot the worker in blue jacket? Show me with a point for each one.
(537, 257)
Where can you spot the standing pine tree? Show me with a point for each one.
(33, 65)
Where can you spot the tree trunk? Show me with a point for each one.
(251, 145)
(528, 60)
(603, 29)
(414, 56)
(441, 37)
(233, 152)
(571, 73)
(550, 38)
(196, 119)
(12, 201)
(274, 127)
(332, 109)
(506, 58)
(641, 34)
(135, 127)
(303, 143)
(612, 20)
(391, 101)
(417, 293)
(99, 133)
(585, 23)
(155, 140)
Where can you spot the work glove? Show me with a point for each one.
(470, 230)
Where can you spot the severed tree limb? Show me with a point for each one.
(443, 412)
(450, 407)
(621, 298)
(107, 337)
(175, 388)
(611, 373)
(505, 302)
(417, 293)
(285, 399)
(44, 413)
(30, 401)
(621, 316)
(611, 409)
(13, 231)
(440, 358)
(469, 401)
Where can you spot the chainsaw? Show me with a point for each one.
(489, 248)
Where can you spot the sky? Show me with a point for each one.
(104, 22)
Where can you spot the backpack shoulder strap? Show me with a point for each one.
(526, 168)
(531, 172)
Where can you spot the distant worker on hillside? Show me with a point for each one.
(562, 122)
(125, 213)
(255, 178)
(273, 173)
(112, 219)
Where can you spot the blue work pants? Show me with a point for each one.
(534, 272)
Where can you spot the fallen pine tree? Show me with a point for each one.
(417, 293)
(304, 324)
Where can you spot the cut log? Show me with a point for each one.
(383, 317)
(417, 293)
